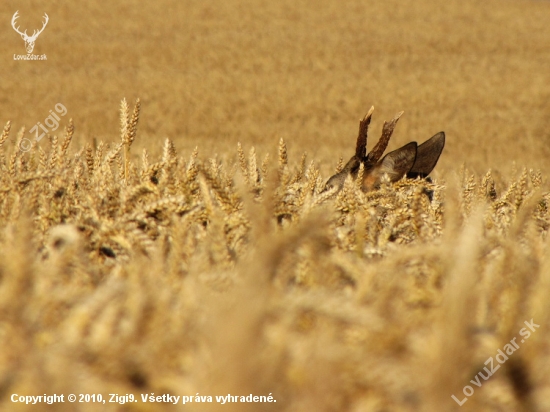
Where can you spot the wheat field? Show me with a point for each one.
(171, 237)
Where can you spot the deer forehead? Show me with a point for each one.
(370, 181)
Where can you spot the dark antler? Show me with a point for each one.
(361, 146)
(378, 150)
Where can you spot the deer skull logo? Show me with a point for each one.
(29, 40)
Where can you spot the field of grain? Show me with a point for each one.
(172, 237)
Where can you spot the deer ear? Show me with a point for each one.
(427, 156)
(395, 164)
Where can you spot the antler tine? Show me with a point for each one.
(15, 17)
(13, 22)
(44, 24)
(378, 150)
(361, 146)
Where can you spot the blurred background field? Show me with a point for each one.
(213, 73)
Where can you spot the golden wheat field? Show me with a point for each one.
(168, 245)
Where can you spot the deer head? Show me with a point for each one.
(29, 40)
(410, 160)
